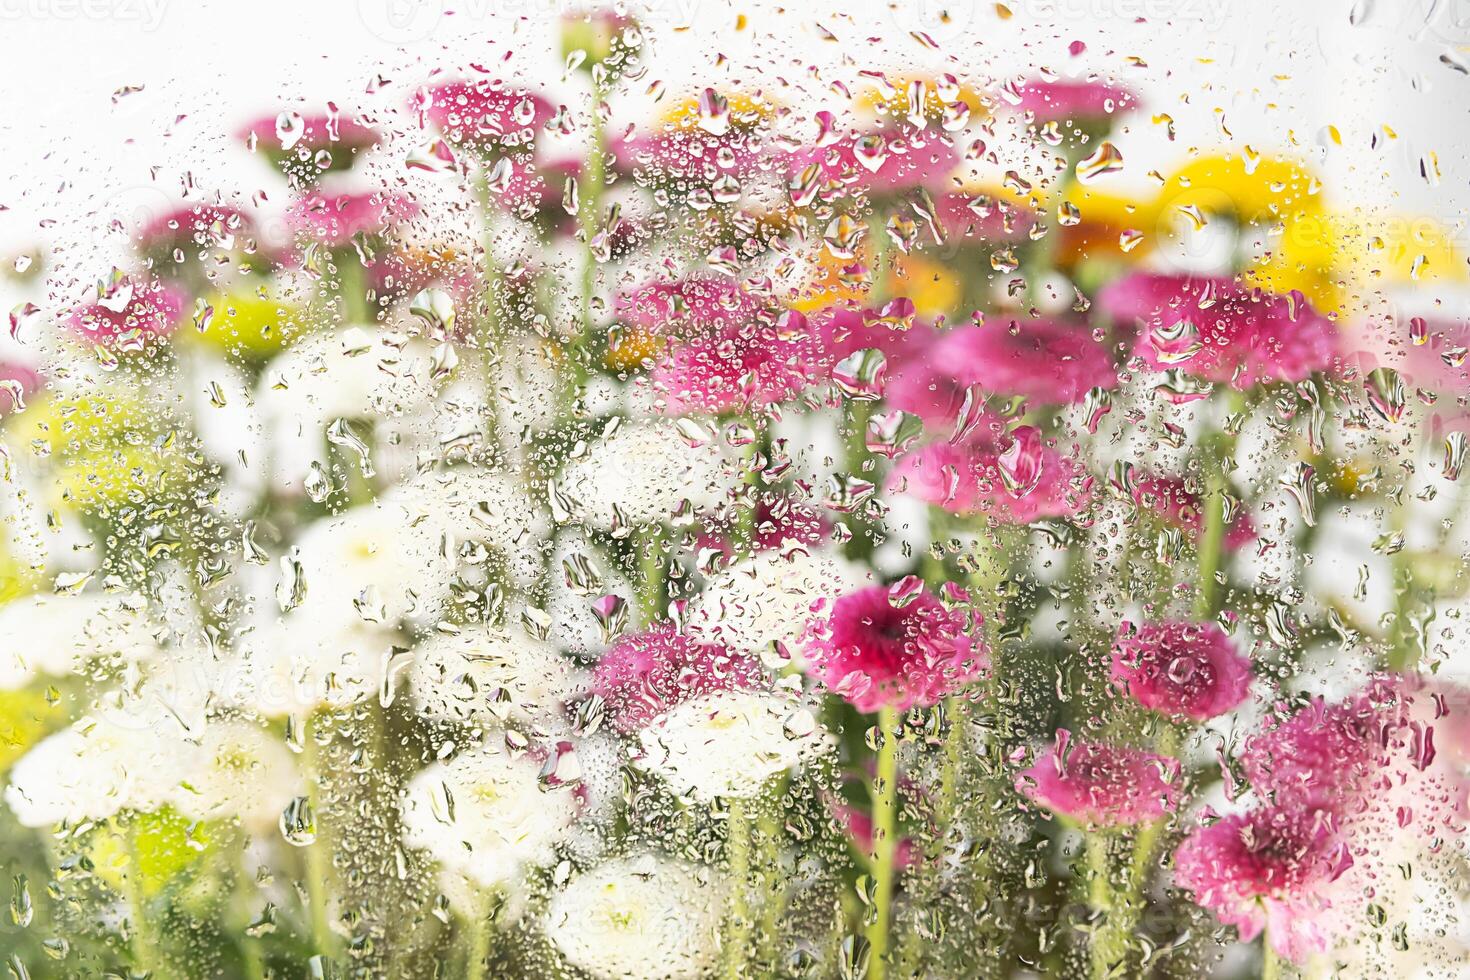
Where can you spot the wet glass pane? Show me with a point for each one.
(678, 490)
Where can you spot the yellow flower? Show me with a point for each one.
(154, 849)
(1254, 191)
(891, 100)
(98, 449)
(933, 287)
(25, 718)
(745, 111)
(247, 323)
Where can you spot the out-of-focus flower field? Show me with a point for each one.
(751, 541)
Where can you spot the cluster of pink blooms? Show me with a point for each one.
(882, 647)
(1337, 783)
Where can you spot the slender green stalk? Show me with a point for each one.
(481, 939)
(142, 943)
(652, 572)
(1271, 967)
(1109, 937)
(884, 791)
(318, 854)
(589, 208)
(1211, 542)
(737, 852)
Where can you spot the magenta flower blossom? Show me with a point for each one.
(846, 331)
(964, 216)
(1217, 330)
(482, 114)
(1271, 868)
(1181, 669)
(1168, 497)
(333, 219)
(687, 154)
(190, 226)
(646, 674)
(17, 381)
(1073, 101)
(134, 311)
(1101, 785)
(877, 653)
(686, 306)
(779, 523)
(1043, 360)
(1014, 477)
(737, 366)
(290, 132)
(876, 162)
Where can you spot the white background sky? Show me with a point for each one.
(72, 159)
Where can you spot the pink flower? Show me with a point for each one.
(779, 523)
(1072, 101)
(1101, 785)
(291, 132)
(877, 653)
(686, 154)
(1011, 477)
(846, 331)
(970, 216)
(1181, 669)
(687, 305)
(483, 114)
(1168, 497)
(17, 381)
(875, 162)
(1045, 361)
(334, 219)
(737, 366)
(1217, 330)
(134, 310)
(191, 226)
(1270, 868)
(643, 675)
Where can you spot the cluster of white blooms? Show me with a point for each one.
(56, 635)
(102, 766)
(644, 917)
(641, 472)
(485, 675)
(765, 603)
(487, 814)
(729, 744)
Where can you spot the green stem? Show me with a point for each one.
(1211, 543)
(318, 854)
(1270, 962)
(653, 571)
(737, 852)
(884, 792)
(1110, 936)
(491, 328)
(481, 941)
(142, 943)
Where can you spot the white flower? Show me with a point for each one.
(574, 627)
(60, 634)
(237, 770)
(381, 560)
(645, 470)
(301, 663)
(729, 744)
(489, 675)
(469, 504)
(356, 373)
(487, 814)
(637, 918)
(768, 599)
(91, 771)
